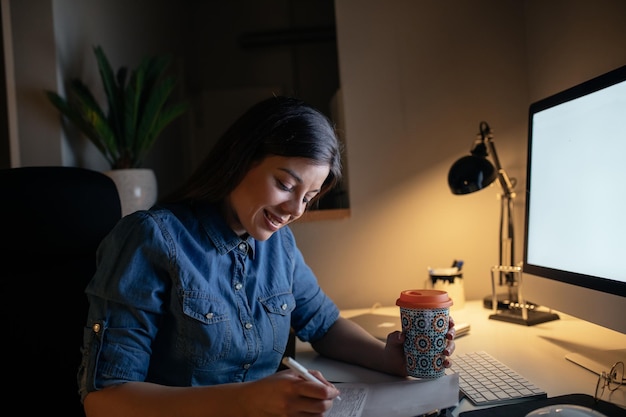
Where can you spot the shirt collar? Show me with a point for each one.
(218, 231)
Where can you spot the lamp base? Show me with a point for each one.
(515, 316)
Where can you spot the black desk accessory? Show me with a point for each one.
(523, 408)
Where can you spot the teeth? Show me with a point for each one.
(274, 220)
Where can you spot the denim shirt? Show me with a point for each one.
(179, 299)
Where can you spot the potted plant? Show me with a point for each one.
(138, 111)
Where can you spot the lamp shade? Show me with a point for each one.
(470, 173)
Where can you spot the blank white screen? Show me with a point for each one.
(577, 207)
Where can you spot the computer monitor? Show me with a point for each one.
(575, 214)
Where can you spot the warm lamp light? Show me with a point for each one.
(473, 173)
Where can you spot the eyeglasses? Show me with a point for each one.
(611, 380)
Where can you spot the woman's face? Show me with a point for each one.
(273, 194)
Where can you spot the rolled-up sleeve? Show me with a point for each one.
(126, 296)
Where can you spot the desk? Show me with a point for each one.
(536, 352)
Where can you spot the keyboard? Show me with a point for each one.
(486, 381)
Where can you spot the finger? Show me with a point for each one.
(395, 338)
(450, 347)
(317, 374)
(451, 334)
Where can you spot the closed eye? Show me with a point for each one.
(290, 189)
(284, 186)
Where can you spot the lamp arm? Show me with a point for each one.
(503, 177)
(507, 235)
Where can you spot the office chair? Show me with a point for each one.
(52, 220)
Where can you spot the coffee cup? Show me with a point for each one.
(424, 315)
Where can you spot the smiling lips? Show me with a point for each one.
(274, 221)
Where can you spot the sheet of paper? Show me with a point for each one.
(405, 398)
(353, 397)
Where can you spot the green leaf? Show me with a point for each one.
(137, 110)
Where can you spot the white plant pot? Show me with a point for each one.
(137, 188)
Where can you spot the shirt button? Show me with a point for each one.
(246, 366)
(248, 326)
(284, 307)
(242, 247)
(209, 315)
(96, 328)
(238, 286)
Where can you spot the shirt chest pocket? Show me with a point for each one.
(278, 308)
(205, 330)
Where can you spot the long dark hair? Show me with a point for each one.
(281, 126)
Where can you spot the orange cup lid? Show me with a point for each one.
(424, 298)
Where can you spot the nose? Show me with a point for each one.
(295, 207)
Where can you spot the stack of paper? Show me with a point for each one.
(400, 398)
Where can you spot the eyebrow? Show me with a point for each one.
(297, 178)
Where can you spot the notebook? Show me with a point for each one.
(380, 325)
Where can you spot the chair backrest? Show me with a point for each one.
(52, 221)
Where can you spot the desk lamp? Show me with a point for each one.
(472, 173)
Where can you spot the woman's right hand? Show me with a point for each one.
(282, 394)
(285, 393)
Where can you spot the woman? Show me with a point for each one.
(192, 302)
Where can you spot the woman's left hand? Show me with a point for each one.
(450, 346)
(395, 360)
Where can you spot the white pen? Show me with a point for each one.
(302, 371)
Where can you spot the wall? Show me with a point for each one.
(33, 49)
(417, 78)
